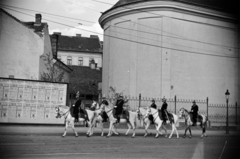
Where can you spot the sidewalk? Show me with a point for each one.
(57, 130)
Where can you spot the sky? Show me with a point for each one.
(81, 14)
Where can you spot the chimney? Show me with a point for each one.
(58, 33)
(78, 35)
(38, 19)
(94, 36)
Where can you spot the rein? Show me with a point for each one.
(61, 115)
(156, 117)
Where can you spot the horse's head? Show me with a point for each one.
(94, 104)
(58, 111)
(182, 112)
(149, 111)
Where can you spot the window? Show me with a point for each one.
(69, 60)
(80, 61)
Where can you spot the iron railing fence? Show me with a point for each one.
(216, 113)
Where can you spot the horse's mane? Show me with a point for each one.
(185, 110)
(65, 107)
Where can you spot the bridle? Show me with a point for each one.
(149, 111)
(144, 116)
(59, 115)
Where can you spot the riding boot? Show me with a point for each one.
(118, 119)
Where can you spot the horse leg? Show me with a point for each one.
(114, 130)
(147, 124)
(164, 127)
(203, 131)
(129, 127)
(101, 124)
(110, 129)
(134, 128)
(176, 131)
(190, 131)
(157, 129)
(65, 131)
(173, 128)
(76, 134)
(185, 132)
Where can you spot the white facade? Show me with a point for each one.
(19, 44)
(171, 48)
(76, 57)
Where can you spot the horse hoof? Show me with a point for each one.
(76, 135)
(132, 136)
(63, 136)
(184, 136)
(190, 136)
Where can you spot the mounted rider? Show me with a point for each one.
(194, 113)
(164, 111)
(153, 105)
(76, 107)
(118, 108)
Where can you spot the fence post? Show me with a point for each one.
(236, 114)
(175, 103)
(140, 100)
(207, 106)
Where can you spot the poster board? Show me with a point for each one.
(28, 101)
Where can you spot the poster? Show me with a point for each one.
(30, 99)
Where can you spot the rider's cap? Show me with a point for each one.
(152, 100)
(194, 101)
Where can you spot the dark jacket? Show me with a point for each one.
(164, 107)
(194, 110)
(76, 107)
(105, 102)
(119, 104)
(153, 105)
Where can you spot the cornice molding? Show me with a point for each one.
(164, 6)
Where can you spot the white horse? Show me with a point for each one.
(96, 120)
(144, 117)
(113, 121)
(201, 120)
(158, 122)
(64, 111)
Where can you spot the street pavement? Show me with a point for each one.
(45, 142)
(10, 129)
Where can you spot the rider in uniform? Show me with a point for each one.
(118, 108)
(77, 107)
(194, 112)
(153, 105)
(164, 110)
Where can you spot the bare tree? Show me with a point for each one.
(53, 74)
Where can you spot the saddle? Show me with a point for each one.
(83, 114)
(104, 116)
(168, 117)
(125, 115)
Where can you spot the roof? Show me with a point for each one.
(76, 43)
(222, 5)
(37, 28)
(85, 80)
(29, 25)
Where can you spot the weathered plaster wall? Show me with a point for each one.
(171, 52)
(20, 49)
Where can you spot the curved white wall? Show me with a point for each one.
(171, 49)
